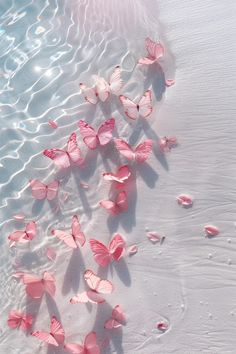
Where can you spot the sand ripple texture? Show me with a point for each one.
(47, 47)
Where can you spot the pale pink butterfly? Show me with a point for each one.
(211, 230)
(18, 319)
(185, 200)
(143, 108)
(89, 346)
(113, 252)
(167, 143)
(117, 318)
(73, 238)
(41, 191)
(138, 154)
(97, 286)
(155, 52)
(92, 138)
(121, 176)
(53, 124)
(55, 337)
(36, 286)
(102, 89)
(64, 158)
(21, 236)
(117, 206)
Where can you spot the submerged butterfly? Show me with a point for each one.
(143, 108)
(17, 319)
(97, 286)
(89, 346)
(167, 143)
(73, 239)
(36, 286)
(102, 137)
(121, 176)
(102, 89)
(64, 158)
(104, 255)
(23, 235)
(42, 191)
(155, 52)
(117, 206)
(140, 154)
(117, 318)
(55, 337)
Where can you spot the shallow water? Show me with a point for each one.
(46, 49)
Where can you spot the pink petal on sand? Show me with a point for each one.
(53, 124)
(169, 82)
(162, 326)
(84, 185)
(154, 237)
(132, 250)
(211, 230)
(185, 200)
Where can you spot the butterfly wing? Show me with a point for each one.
(38, 189)
(143, 151)
(34, 285)
(17, 236)
(76, 232)
(90, 344)
(57, 330)
(45, 337)
(74, 348)
(52, 190)
(125, 149)
(89, 94)
(14, 319)
(30, 230)
(60, 157)
(65, 237)
(73, 150)
(118, 314)
(105, 131)
(49, 283)
(89, 135)
(120, 176)
(130, 108)
(110, 206)
(146, 61)
(102, 88)
(145, 104)
(100, 253)
(87, 296)
(116, 247)
(154, 49)
(112, 324)
(121, 201)
(96, 283)
(115, 81)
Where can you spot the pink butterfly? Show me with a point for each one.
(89, 346)
(64, 158)
(36, 286)
(118, 206)
(73, 239)
(185, 200)
(211, 230)
(143, 108)
(102, 137)
(17, 319)
(53, 124)
(155, 52)
(104, 255)
(103, 89)
(55, 337)
(169, 82)
(42, 191)
(23, 235)
(140, 154)
(97, 286)
(117, 318)
(121, 175)
(167, 143)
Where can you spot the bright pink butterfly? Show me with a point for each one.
(42, 191)
(140, 154)
(104, 255)
(143, 108)
(121, 176)
(102, 137)
(36, 286)
(155, 52)
(118, 206)
(185, 200)
(55, 337)
(97, 286)
(117, 318)
(211, 230)
(23, 235)
(17, 319)
(167, 143)
(103, 89)
(64, 158)
(73, 239)
(89, 346)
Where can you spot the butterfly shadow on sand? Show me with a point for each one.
(72, 274)
(155, 78)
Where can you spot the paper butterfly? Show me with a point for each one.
(73, 239)
(42, 191)
(117, 318)
(140, 154)
(55, 337)
(97, 286)
(64, 158)
(155, 52)
(116, 207)
(89, 346)
(120, 177)
(23, 235)
(103, 89)
(36, 286)
(143, 108)
(102, 137)
(17, 319)
(167, 143)
(104, 255)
